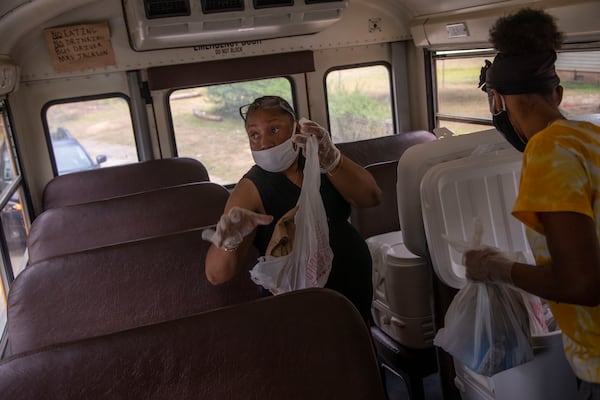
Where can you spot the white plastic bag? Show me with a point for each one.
(309, 263)
(487, 328)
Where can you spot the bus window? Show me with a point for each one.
(12, 216)
(579, 73)
(208, 126)
(89, 134)
(15, 232)
(359, 102)
(463, 108)
(2, 309)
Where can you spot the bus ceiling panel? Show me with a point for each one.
(17, 17)
(363, 23)
(469, 27)
(7, 6)
(428, 7)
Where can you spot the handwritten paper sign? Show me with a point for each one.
(78, 47)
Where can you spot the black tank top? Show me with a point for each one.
(351, 267)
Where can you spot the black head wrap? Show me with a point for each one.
(519, 74)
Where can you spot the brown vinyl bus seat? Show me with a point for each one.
(310, 344)
(380, 157)
(114, 288)
(384, 148)
(80, 227)
(384, 217)
(120, 180)
(413, 365)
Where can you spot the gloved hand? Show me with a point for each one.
(488, 265)
(234, 226)
(329, 155)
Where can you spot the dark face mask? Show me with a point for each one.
(504, 126)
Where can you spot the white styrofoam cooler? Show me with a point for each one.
(484, 186)
(416, 161)
(402, 291)
(455, 193)
(547, 377)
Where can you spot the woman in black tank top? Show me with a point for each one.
(272, 187)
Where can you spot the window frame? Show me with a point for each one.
(169, 93)
(80, 99)
(17, 184)
(432, 56)
(437, 116)
(384, 64)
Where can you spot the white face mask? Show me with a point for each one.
(277, 158)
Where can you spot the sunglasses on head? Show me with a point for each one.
(266, 102)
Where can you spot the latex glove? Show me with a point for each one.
(329, 155)
(234, 226)
(488, 265)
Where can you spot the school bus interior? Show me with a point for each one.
(148, 93)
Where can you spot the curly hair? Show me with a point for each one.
(527, 31)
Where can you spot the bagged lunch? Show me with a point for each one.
(488, 325)
(298, 255)
(487, 328)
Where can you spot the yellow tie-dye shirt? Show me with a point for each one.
(561, 172)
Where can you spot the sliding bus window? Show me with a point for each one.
(15, 230)
(208, 126)
(12, 215)
(460, 106)
(90, 133)
(359, 103)
(463, 108)
(579, 73)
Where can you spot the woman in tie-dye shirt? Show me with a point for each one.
(559, 193)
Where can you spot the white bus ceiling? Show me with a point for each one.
(425, 21)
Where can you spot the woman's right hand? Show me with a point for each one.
(233, 226)
(488, 265)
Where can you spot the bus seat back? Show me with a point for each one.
(115, 288)
(121, 180)
(79, 227)
(384, 148)
(281, 347)
(382, 218)
(380, 157)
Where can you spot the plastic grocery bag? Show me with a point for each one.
(309, 262)
(487, 328)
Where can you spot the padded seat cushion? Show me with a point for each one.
(282, 347)
(80, 227)
(120, 180)
(119, 287)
